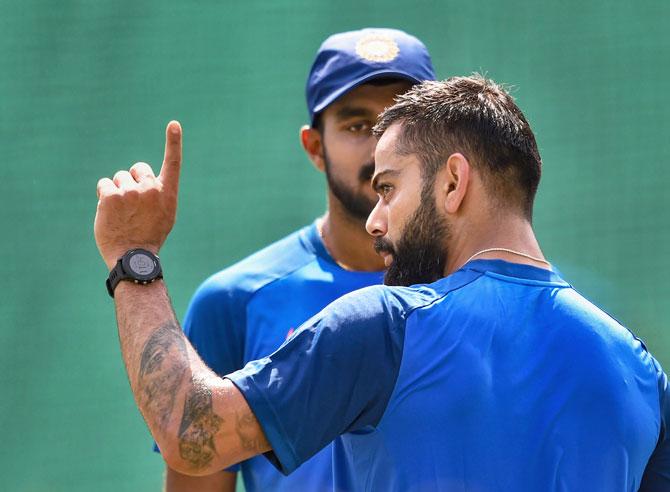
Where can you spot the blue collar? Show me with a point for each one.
(314, 242)
(514, 270)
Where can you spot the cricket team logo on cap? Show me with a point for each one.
(377, 47)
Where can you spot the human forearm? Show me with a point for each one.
(172, 386)
(200, 421)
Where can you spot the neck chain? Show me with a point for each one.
(506, 250)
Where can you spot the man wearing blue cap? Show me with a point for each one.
(240, 314)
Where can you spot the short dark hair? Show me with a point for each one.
(478, 118)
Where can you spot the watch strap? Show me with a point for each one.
(114, 278)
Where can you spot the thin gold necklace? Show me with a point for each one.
(506, 250)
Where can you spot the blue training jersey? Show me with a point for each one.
(248, 310)
(499, 377)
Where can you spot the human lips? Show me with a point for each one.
(385, 250)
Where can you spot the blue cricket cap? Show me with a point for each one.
(349, 59)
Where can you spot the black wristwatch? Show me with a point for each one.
(138, 265)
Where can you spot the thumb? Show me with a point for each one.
(169, 174)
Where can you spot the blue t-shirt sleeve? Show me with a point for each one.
(656, 476)
(335, 375)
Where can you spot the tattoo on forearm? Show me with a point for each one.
(198, 426)
(247, 429)
(161, 372)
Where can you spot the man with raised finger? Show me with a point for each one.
(240, 313)
(489, 373)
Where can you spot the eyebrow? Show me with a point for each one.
(379, 176)
(353, 112)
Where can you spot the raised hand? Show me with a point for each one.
(137, 209)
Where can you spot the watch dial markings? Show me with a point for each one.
(142, 264)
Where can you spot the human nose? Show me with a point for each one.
(376, 223)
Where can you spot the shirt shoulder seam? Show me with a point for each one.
(442, 296)
(312, 257)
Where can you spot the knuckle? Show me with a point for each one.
(109, 199)
(152, 192)
(131, 194)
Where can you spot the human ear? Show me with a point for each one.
(454, 178)
(312, 142)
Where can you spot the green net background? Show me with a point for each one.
(87, 87)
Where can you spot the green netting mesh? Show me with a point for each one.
(87, 88)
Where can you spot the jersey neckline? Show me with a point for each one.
(314, 242)
(515, 271)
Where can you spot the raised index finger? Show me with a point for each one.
(169, 174)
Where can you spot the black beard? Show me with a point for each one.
(420, 256)
(357, 205)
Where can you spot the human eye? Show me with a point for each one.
(384, 190)
(359, 127)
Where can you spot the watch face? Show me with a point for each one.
(142, 265)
